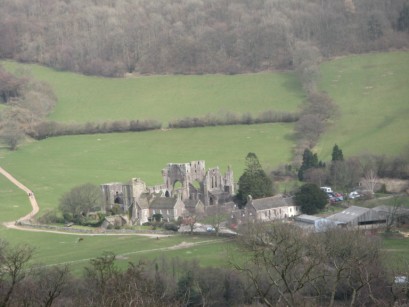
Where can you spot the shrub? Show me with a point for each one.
(171, 226)
(50, 217)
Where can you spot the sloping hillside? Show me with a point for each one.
(165, 98)
(372, 93)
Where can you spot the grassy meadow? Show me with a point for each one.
(396, 253)
(372, 93)
(53, 166)
(165, 98)
(54, 249)
(13, 202)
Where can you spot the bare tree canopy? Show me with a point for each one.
(111, 38)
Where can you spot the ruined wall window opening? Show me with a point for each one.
(177, 185)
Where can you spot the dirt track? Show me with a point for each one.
(36, 208)
(30, 194)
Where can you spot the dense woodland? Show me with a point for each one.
(112, 37)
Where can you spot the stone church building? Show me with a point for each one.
(183, 183)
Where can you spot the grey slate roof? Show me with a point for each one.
(272, 202)
(143, 201)
(191, 203)
(163, 203)
(389, 209)
(305, 218)
(355, 213)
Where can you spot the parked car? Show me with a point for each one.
(335, 197)
(354, 195)
(339, 196)
(210, 229)
(326, 189)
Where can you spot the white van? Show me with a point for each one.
(326, 189)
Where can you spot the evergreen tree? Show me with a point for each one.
(337, 154)
(403, 19)
(309, 160)
(310, 198)
(254, 181)
(337, 168)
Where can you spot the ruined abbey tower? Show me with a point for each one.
(211, 186)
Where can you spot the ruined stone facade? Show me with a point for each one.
(185, 181)
(211, 186)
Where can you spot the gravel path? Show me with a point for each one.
(31, 198)
(36, 208)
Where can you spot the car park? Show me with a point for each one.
(335, 197)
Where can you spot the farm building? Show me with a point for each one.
(355, 216)
(169, 207)
(271, 208)
(313, 223)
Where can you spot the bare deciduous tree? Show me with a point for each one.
(13, 263)
(80, 200)
(370, 181)
(281, 262)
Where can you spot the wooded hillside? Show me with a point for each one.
(110, 37)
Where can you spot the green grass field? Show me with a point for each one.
(13, 202)
(53, 166)
(396, 252)
(370, 90)
(165, 98)
(372, 93)
(55, 249)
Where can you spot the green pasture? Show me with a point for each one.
(14, 203)
(165, 98)
(53, 166)
(372, 93)
(396, 253)
(59, 249)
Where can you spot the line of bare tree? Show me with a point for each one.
(110, 38)
(271, 264)
(235, 119)
(47, 129)
(26, 102)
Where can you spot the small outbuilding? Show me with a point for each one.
(313, 223)
(194, 206)
(114, 221)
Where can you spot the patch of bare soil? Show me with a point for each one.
(182, 245)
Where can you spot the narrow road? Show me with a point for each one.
(36, 208)
(30, 194)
